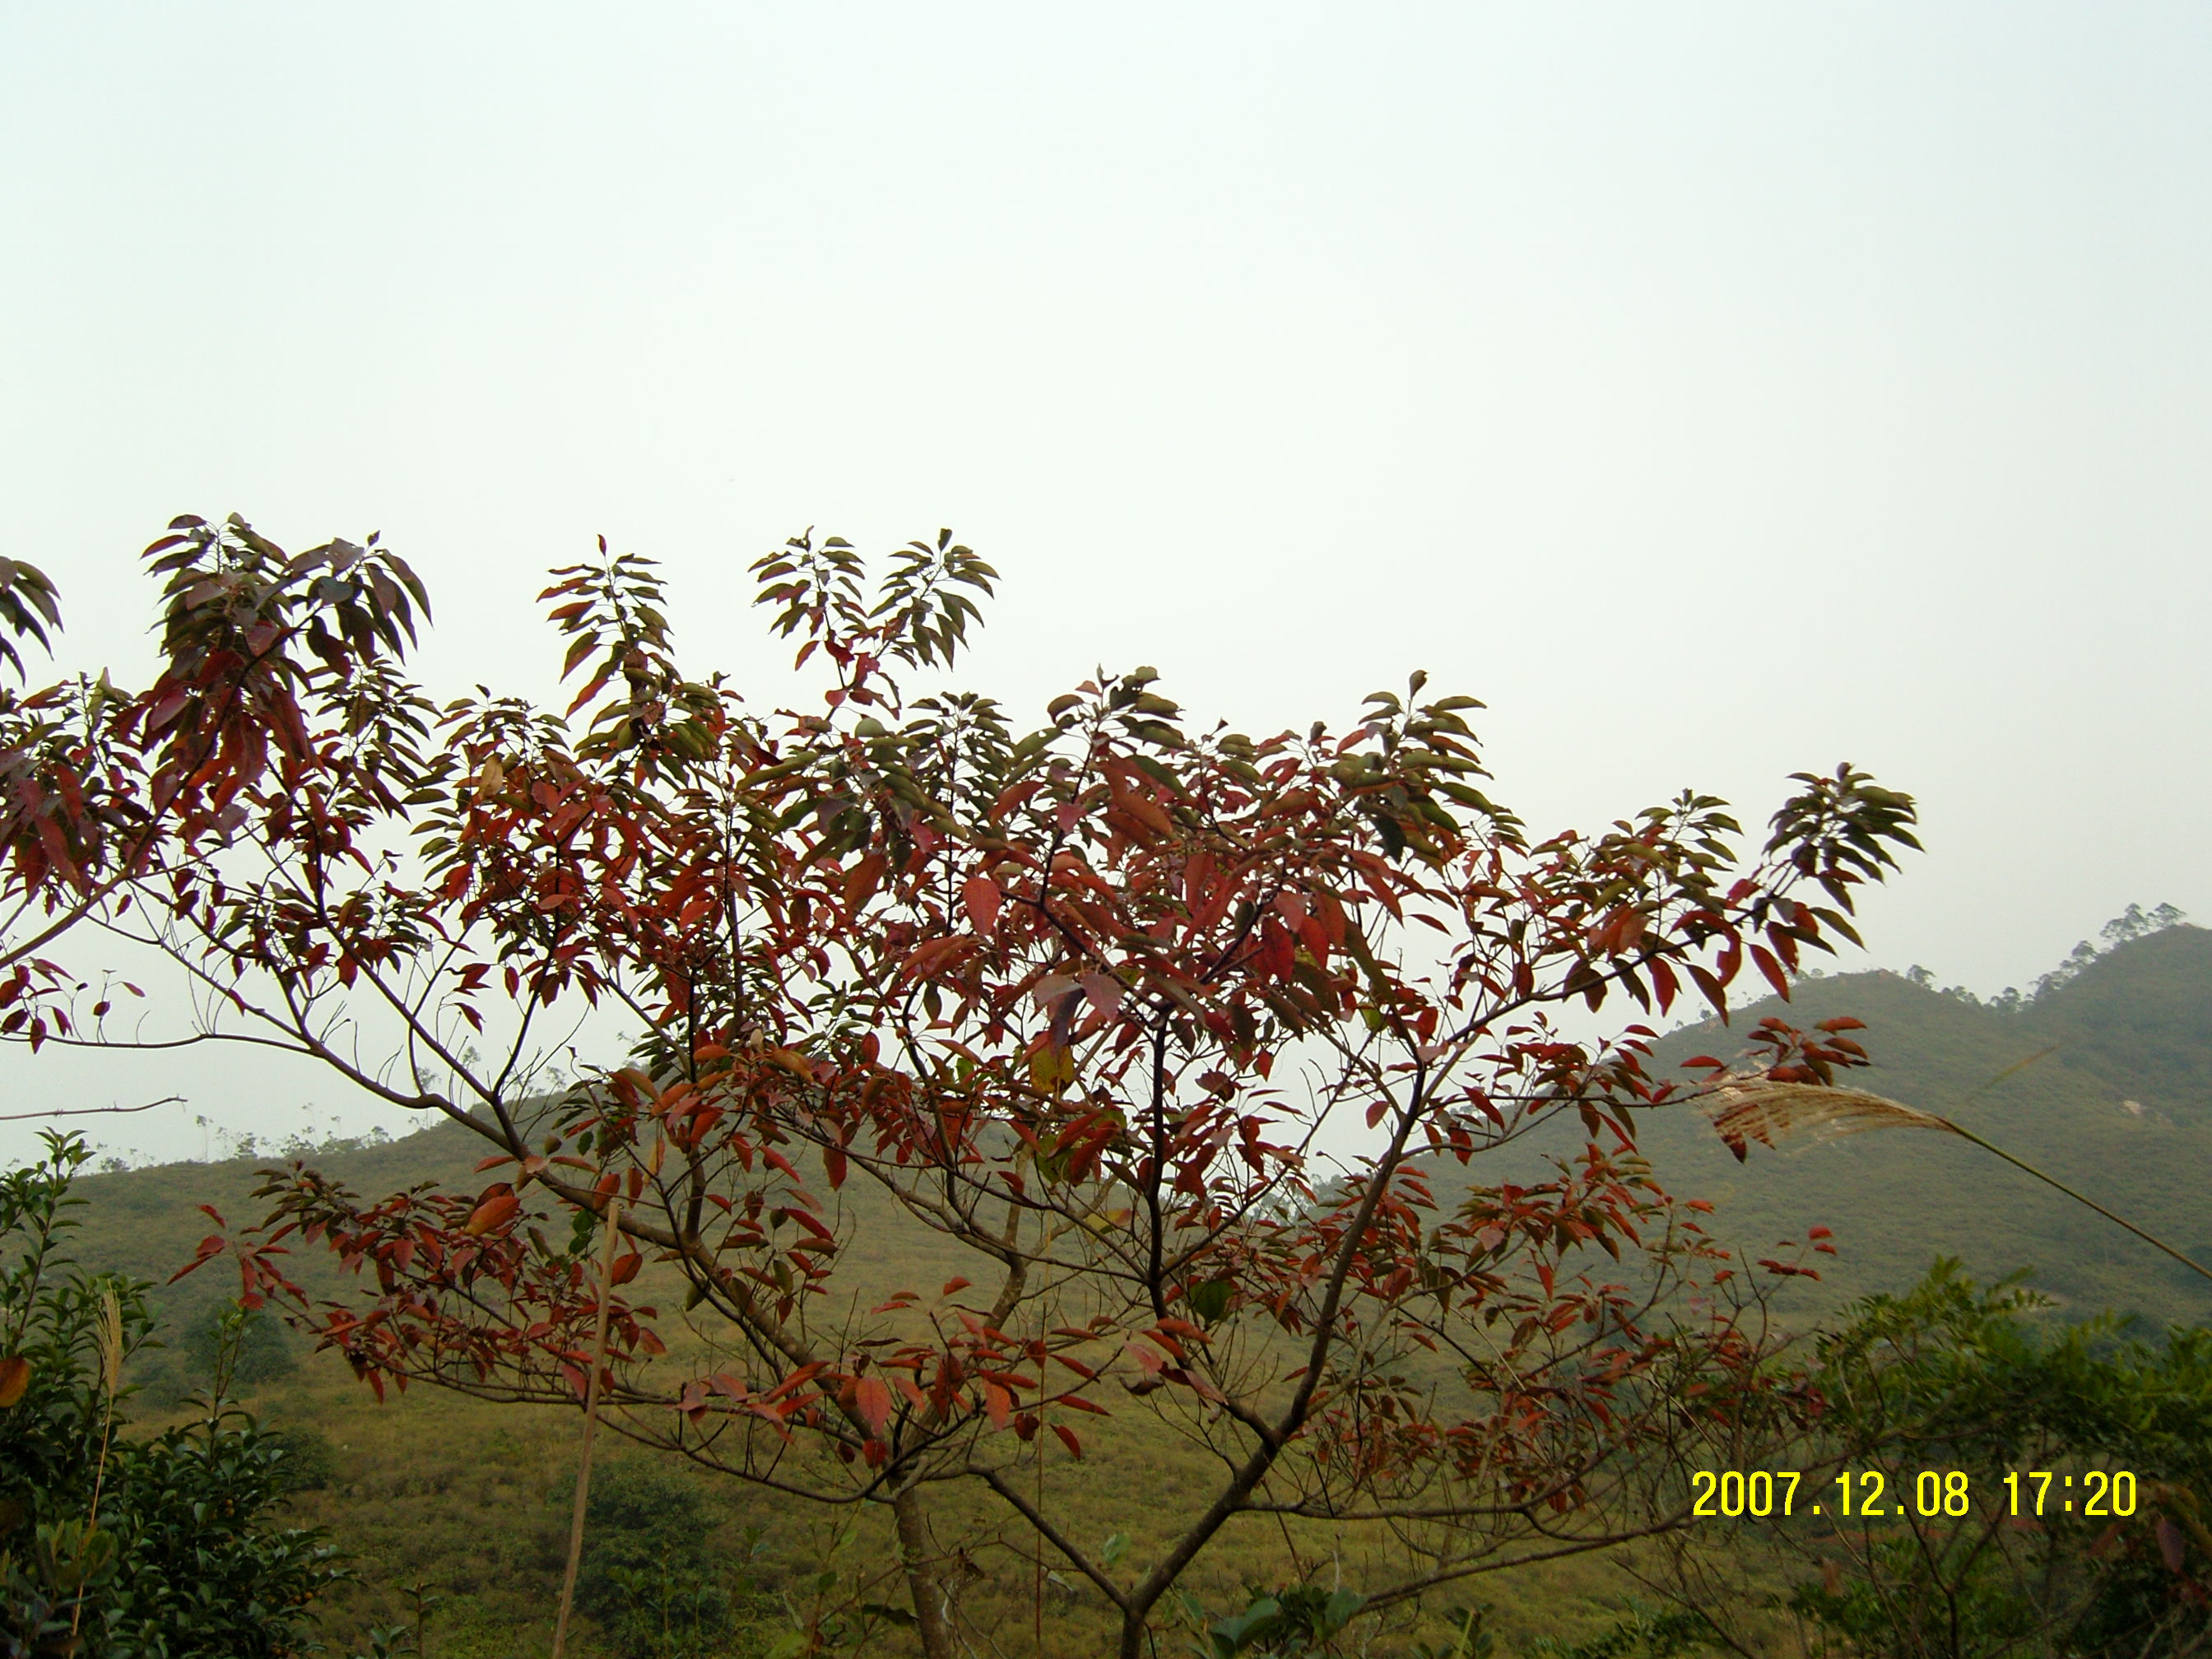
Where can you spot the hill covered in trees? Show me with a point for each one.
(2103, 1079)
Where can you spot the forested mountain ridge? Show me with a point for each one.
(2103, 1081)
(2139, 1020)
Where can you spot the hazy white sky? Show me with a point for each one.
(1717, 392)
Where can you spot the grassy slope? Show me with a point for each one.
(2136, 1026)
(471, 1497)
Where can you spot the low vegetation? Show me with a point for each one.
(120, 1544)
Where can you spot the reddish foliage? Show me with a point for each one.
(1077, 1001)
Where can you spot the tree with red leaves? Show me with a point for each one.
(1164, 1038)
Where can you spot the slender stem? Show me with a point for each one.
(111, 1377)
(2193, 1266)
(591, 1422)
(92, 1521)
(1271, 1442)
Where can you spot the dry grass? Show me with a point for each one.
(470, 1501)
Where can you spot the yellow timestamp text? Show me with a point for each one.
(1864, 1494)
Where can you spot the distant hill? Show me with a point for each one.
(2120, 1109)
(2138, 1021)
(148, 1222)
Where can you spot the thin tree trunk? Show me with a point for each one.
(923, 1583)
(591, 1422)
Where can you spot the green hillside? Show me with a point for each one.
(2138, 1020)
(2118, 1107)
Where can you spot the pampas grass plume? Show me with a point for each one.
(1761, 1109)
(109, 1335)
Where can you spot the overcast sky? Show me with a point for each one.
(1717, 392)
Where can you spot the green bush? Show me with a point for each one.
(1956, 1379)
(119, 1548)
(221, 1347)
(651, 1574)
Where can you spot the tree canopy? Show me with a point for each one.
(1084, 1002)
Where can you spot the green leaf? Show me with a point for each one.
(1210, 1301)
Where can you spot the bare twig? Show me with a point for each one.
(91, 1111)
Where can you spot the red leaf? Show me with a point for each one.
(980, 896)
(211, 1247)
(1068, 1439)
(872, 1399)
(1711, 988)
(1773, 969)
(494, 1211)
(999, 1403)
(860, 880)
